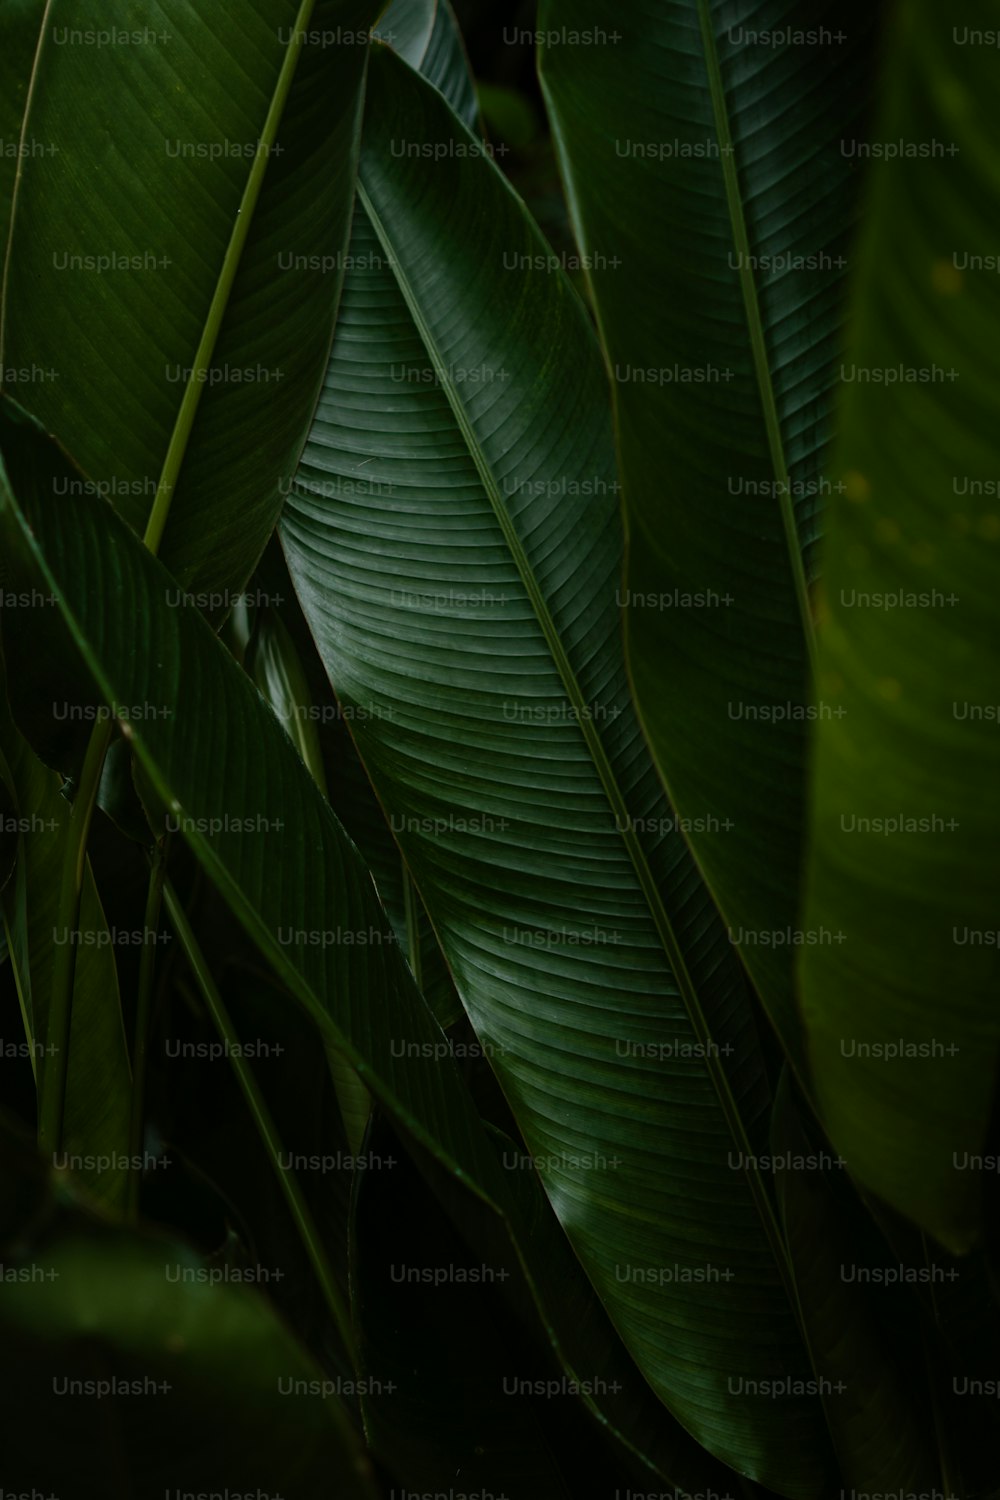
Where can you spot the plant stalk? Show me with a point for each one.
(52, 1104)
(412, 909)
(262, 1119)
(143, 1018)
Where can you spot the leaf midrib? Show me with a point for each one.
(298, 984)
(755, 325)
(602, 765)
(196, 384)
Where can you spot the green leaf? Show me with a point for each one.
(714, 208)
(235, 809)
(275, 667)
(118, 797)
(98, 1087)
(236, 789)
(454, 539)
(426, 34)
(353, 800)
(902, 1015)
(216, 1396)
(191, 310)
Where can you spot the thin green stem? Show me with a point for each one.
(755, 324)
(262, 1119)
(412, 909)
(52, 1103)
(143, 1016)
(224, 286)
(51, 1108)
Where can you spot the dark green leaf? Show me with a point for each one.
(453, 536)
(237, 791)
(167, 126)
(709, 193)
(98, 1086)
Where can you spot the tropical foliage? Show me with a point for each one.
(498, 749)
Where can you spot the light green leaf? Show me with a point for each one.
(902, 1014)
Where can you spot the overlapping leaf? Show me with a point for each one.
(238, 793)
(426, 34)
(454, 539)
(172, 281)
(701, 150)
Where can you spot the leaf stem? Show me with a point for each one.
(223, 288)
(262, 1119)
(143, 1016)
(755, 326)
(412, 910)
(52, 1103)
(51, 1108)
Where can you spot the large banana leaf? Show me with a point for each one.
(237, 792)
(98, 1082)
(352, 798)
(454, 540)
(902, 1016)
(179, 277)
(709, 193)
